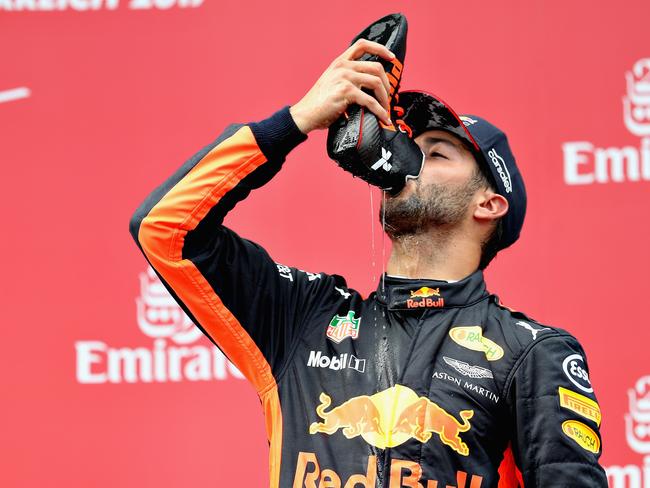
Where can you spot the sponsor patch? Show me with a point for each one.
(382, 162)
(341, 328)
(583, 435)
(530, 328)
(285, 271)
(344, 294)
(479, 390)
(421, 298)
(467, 369)
(471, 337)
(467, 121)
(574, 369)
(502, 169)
(343, 361)
(312, 472)
(579, 404)
(425, 292)
(391, 417)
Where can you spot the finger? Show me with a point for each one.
(360, 98)
(362, 46)
(372, 82)
(371, 68)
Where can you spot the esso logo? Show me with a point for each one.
(574, 368)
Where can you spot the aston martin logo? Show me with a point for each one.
(467, 369)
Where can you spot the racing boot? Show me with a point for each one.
(382, 155)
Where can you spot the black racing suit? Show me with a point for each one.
(422, 384)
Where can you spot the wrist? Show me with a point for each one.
(278, 134)
(300, 120)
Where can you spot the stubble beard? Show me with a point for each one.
(435, 206)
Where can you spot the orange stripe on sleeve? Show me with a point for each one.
(273, 416)
(162, 234)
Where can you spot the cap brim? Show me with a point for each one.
(424, 111)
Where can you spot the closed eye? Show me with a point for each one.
(437, 155)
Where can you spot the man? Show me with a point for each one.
(429, 382)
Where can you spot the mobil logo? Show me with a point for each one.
(343, 361)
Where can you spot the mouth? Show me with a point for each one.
(409, 188)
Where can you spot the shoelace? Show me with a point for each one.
(399, 111)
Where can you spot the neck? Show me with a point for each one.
(436, 254)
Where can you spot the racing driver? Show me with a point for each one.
(427, 383)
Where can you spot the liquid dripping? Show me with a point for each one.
(372, 238)
(374, 254)
(383, 241)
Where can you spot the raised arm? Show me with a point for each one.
(226, 284)
(229, 286)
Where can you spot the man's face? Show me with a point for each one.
(442, 195)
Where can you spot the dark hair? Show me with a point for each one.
(490, 247)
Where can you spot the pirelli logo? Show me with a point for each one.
(579, 404)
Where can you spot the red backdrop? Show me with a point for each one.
(100, 100)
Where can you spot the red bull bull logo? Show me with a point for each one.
(421, 298)
(391, 417)
(425, 292)
(403, 473)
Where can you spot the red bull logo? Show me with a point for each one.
(421, 298)
(425, 292)
(391, 417)
(402, 473)
(425, 303)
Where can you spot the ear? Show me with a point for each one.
(490, 206)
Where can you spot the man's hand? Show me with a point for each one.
(341, 85)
